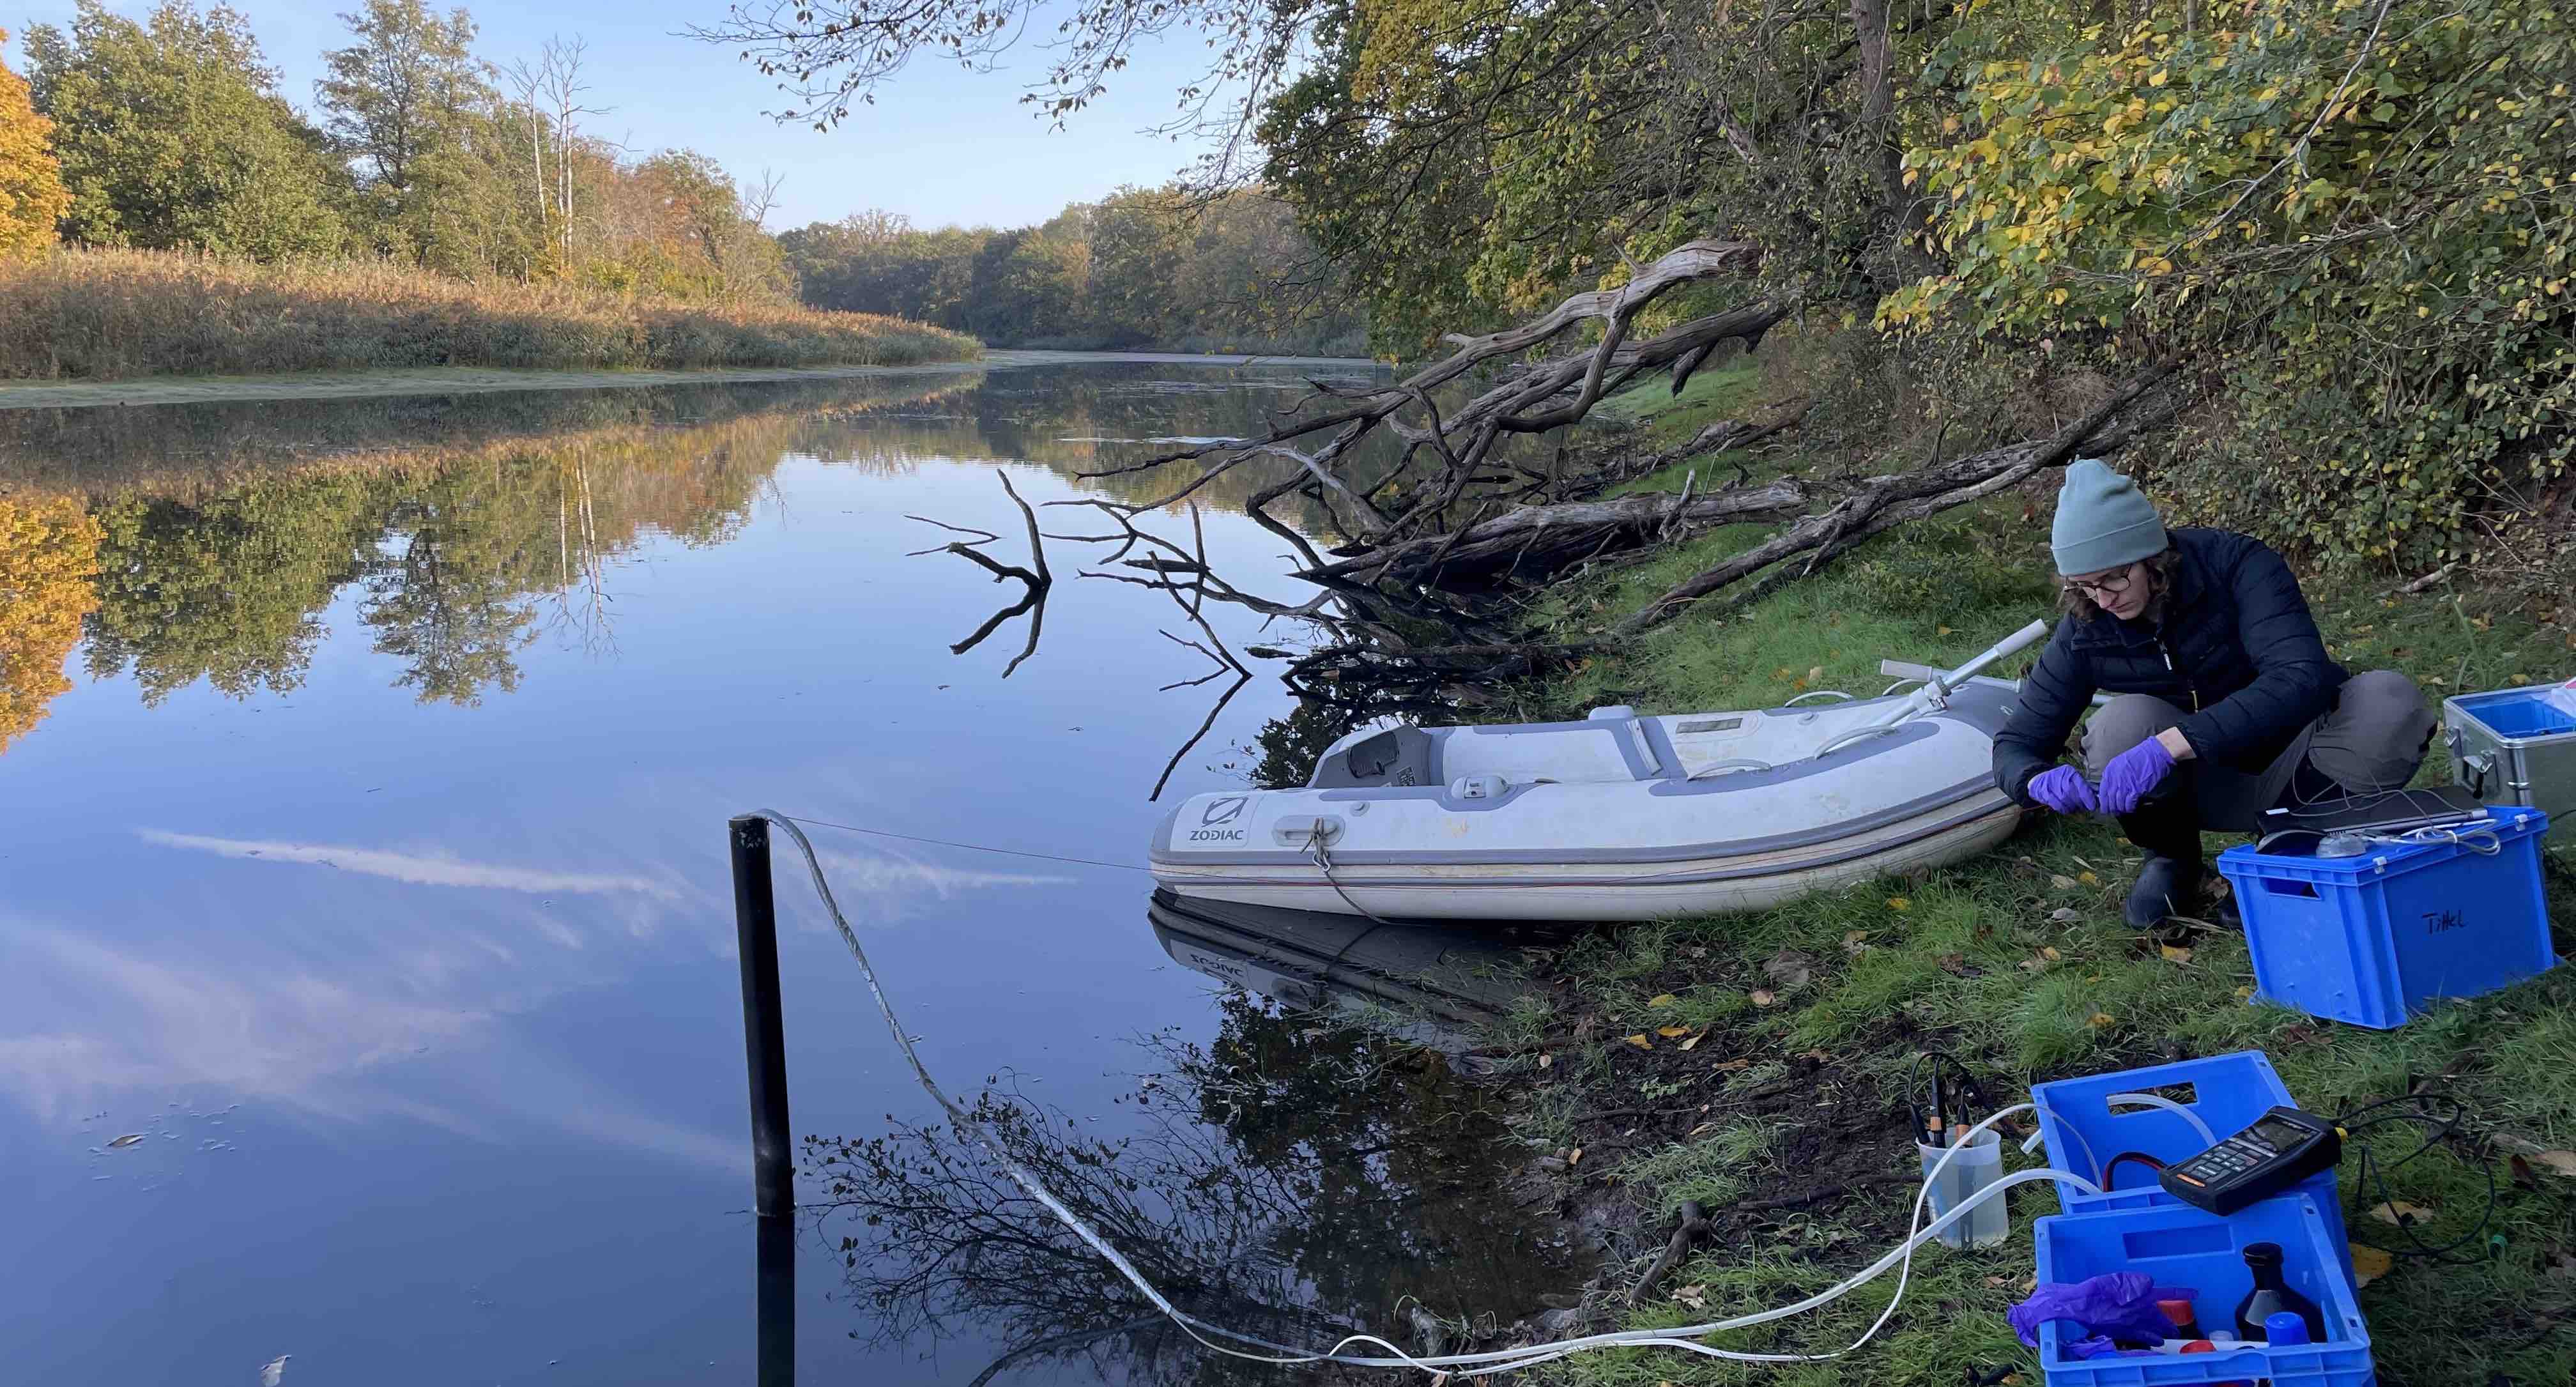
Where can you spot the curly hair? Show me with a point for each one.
(2072, 601)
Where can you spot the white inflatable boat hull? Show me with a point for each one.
(1618, 817)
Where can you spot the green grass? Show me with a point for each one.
(1721, 392)
(1716, 1169)
(2019, 963)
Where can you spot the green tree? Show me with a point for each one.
(402, 92)
(416, 113)
(1139, 240)
(31, 185)
(172, 135)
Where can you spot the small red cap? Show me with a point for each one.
(2200, 1346)
(2178, 1311)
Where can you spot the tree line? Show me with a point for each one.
(2349, 221)
(1156, 267)
(171, 132)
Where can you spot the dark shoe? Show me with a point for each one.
(2159, 896)
(2166, 830)
(2166, 887)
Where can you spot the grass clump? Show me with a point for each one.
(1712, 1170)
(111, 314)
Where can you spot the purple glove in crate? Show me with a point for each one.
(2118, 1305)
(2062, 788)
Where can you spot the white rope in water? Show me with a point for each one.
(1685, 1337)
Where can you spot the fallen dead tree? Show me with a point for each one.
(1886, 502)
(1459, 444)
(1423, 603)
(1530, 543)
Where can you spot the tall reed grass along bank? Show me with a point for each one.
(102, 315)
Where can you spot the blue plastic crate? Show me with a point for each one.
(2374, 939)
(2082, 1129)
(2185, 1247)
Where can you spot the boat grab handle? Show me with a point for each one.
(1856, 734)
(1741, 763)
(1817, 693)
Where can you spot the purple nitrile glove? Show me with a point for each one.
(2132, 774)
(2120, 1303)
(2062, 788)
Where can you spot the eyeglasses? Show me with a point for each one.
(2099, 588)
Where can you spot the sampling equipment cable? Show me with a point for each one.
(1480, 1364)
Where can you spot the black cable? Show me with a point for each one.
(2140, 1157)
(2442, 1116)
(1949, 1107)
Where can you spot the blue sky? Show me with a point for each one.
(939, 146)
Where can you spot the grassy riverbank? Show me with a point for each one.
(1786, 1105)
(101, 315)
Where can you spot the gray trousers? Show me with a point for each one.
(2372, 739)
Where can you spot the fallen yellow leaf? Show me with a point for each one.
(1898, 903)
(2102, 1018)
(2369, 1264)
(2401, 1213)
(2245, 994)
(1668, 1032)
(2088, 878)
(1942, 631)
(1639, 1040)
(2049, 952)
(1574, 1157)
(2175, 953)
(1763, 997)
(1693, 1042)
(1816, 674)
(2061, 881)
(1664, 999)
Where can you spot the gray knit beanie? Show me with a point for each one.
(2103, 521)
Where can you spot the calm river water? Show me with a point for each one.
(367, 982)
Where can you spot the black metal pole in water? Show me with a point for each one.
(764, 1040)
(776, 1302)
(755, 918)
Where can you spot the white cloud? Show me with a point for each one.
(418, 870)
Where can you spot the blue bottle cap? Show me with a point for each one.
(2285, 1327)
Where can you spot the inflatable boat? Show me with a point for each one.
(1618, 816)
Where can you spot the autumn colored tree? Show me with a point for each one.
(48, 553)
(31, 186)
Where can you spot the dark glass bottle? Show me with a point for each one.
(2271, 1296)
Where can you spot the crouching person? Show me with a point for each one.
(2225, 705)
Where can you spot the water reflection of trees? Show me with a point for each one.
(48, 552)
(464, 526)
(1292, 1178)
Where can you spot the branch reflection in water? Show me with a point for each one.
(1304, 1174)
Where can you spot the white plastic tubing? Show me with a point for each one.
(1685, 1337)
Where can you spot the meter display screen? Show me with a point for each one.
(2277, 1134)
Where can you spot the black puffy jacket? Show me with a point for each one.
(2232, 641)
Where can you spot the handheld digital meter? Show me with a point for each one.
(2283, 1147)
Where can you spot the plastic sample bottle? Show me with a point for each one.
(2285, 1328)
(2271, 1296)
(2178, 1311)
